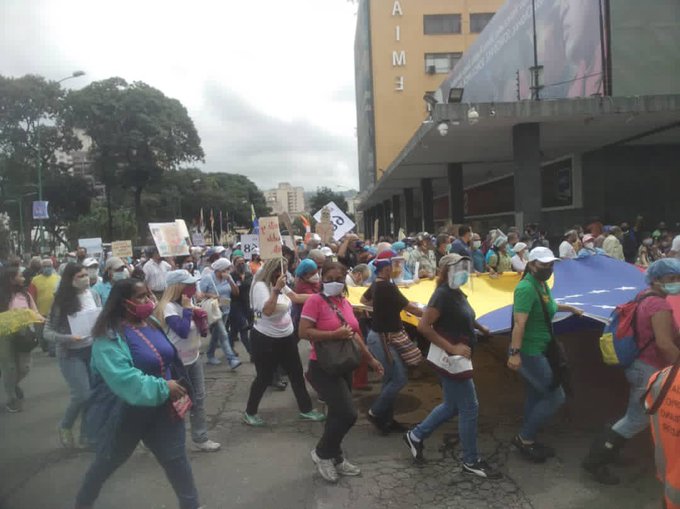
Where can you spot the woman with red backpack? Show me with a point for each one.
(657, 339)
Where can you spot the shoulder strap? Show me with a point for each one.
(334, 308)
(146, 340)
(670, 378)
(633, 323)
(546, 316)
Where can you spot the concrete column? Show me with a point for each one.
(380, 216)
(526, 145)
(455, 180)
(368, 224)
(387, 209)
(396, 214)
(409, 213)
(428, 205)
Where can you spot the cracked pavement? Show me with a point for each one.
(271, 467)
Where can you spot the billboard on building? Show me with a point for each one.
(569, 46)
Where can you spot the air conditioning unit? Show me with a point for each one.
(431, 69)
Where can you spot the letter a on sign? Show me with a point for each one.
(396, 9)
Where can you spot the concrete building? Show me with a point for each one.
(403, 49)
(286, 198)
(584, 123)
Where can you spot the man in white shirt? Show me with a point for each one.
(154, 272)
(567, 251)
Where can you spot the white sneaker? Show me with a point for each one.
(326, 468)
(207, 446)
(347, 468)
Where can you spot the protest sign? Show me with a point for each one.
(121, 248)
(341, 223)
(93, 246)
(169, 239)
(249, 243)
(270, 238)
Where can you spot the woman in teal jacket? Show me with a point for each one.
(136, 374)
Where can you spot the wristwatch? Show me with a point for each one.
(513, 351)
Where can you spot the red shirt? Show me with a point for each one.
(317, 311)
(645, 333)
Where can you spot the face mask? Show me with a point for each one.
(333, 289)
(648, 242)
(81, 283)
(189, 291)
(458, 279)
(589, 245)
(315, 278)
(543, 274)
(477, 244)
(140, 311)
(93, 273)
(47, 271)
(672, 288)
(123, 274)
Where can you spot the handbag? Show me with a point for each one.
(181, 406)
(337, 356)
(556, 355)
(212, 308)
(24, 340)
(407, 349)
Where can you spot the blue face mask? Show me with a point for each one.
(672, 288)
(459, 279)
(47, 271)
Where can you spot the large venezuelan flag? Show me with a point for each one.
(596, 284)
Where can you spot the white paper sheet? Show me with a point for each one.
(454, 364)
(81, 323)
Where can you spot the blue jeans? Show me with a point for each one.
(394, 380)
(219, 336)
(635, 420)
(460, 398)
(541, 402)
(75, 366)
(199, 424)
(165, 437)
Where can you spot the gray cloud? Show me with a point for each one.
(237, 138)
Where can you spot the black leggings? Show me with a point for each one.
(267, 354)
(336, 391)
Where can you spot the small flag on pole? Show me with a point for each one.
(253, 217)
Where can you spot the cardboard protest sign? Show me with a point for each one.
(168, 239)
(338, 219)
(249, 243)
(270, 238)
(121, 248)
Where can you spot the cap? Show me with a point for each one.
(386, 255)
(46, 262)
(398, 246)
(90, 262)
(542, 254)
(305, 267)
(114, 263)
(219, 249)
(220, 265)
(588, 238)
(236, 253)
(520, 246)
(327, 251)
(180, 277)
(451, 259)
(256, 251)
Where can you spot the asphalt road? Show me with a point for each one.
(271, 467)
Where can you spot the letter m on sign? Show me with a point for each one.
(398, 58)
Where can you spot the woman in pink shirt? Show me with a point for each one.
(320, 322)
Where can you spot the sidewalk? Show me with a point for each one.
(271, 467)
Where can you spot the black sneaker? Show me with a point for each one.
(415, 448)
(547, 451)
(530, 452)
(482, 469)
(379, 424)
(397, 427)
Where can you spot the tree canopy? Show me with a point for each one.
(323, 196)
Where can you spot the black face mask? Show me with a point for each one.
(543, 274)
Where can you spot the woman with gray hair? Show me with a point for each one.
(273, 340)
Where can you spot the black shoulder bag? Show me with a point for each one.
(556, 355)
(337, 356)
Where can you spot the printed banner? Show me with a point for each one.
(169, 239)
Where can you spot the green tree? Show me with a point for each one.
(69, 197)
(138, 135)
(323, 196)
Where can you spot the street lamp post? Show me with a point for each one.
(41, 229)
(19, 200)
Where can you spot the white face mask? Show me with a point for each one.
(81, 283)
(315, 278)
(123, 274)
(333, 289)
(477, 244)
(93, 273)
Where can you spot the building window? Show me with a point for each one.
(437, 24)
(440, 63)
(479, 20)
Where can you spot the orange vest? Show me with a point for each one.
(666, 433)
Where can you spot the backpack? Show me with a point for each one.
(618, 343)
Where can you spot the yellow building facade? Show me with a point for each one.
(413, 46)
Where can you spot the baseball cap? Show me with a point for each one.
(520, 246)
(90, 262)
(114, 263)
(327, 251)
(180, 277)
(220, 249)
(542, 254)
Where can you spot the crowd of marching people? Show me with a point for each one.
(158, 321)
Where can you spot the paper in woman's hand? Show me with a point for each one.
(81, 323)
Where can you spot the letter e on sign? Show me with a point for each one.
(399, 84)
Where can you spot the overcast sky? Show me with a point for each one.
(269, 84)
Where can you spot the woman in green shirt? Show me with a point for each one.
(530, 337)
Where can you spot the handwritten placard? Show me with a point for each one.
(270, 238)
(121, 248)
